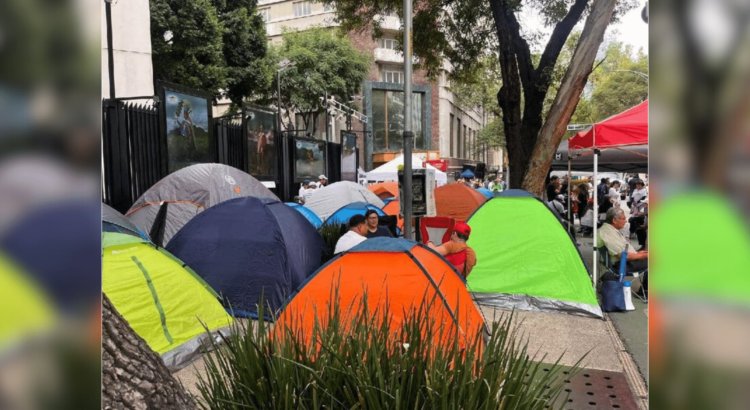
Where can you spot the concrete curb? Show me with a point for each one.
(635, 381)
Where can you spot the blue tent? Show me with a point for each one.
(389, 200)
(467, 174)
(347, 211)
(307, 213)
(486, 192)
(248, 247)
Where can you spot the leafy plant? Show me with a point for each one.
(360, 358)
(331, 232)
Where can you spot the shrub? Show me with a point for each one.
(365, 359)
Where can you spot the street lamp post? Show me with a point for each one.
(286, 177)
(408, 134)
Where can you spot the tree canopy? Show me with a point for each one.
(214, 45)
(323, 60)
(464, 31)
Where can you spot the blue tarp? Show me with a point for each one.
(467, 174)
(347, 211)
(307, 213)
(248, 246)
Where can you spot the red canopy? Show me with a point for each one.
(626, 128)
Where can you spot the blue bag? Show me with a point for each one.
(613, 297)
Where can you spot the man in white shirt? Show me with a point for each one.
(640, 191)
(310, 191)
(303, 190)
(355, 235)
(609, 235)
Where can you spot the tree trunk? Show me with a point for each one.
(134, 376)
(568, 96)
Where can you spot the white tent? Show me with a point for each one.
(389, 170)
(325, 201)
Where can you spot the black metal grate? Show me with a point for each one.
(594, 389)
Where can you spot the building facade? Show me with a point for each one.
(442, 127)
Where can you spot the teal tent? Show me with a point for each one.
(526, 259)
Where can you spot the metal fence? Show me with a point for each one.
(132, 151)
(231, 144)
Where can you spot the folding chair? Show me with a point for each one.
(437, 229)
(638, 278)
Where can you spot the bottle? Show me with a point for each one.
(627, 295)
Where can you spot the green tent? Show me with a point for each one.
(164, 301)
(526, 259)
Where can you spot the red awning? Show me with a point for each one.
(626, 128)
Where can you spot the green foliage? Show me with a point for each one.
(331, 234)
(218, 46)
(324, 59)
(361, 359)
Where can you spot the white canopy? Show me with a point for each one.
(389, 170)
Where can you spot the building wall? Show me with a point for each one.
(131, 38)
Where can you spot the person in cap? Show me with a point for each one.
(373, 229)
(322, 180)
(456, 251)
(355, 235)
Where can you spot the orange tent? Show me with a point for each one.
(392, 209)
(396, 273)
(457, 201)
(384, 190)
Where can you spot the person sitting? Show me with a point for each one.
(456, 251)
(609, 235)
(373, 229)
(355, 235)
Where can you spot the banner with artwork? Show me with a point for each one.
(309, 159)
(348, 156)
(260, 127)
(186, 118)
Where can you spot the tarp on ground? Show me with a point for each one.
(163, 301)
(389, 170)
(397, 273)
(188, 192)
(248, 247)
(629, 127)
(384, 190)
(526, 259)
(325, 201)
(457, 201)
(307, 213)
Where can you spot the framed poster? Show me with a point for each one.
(185, 120)
(260, 129)
(348, 156)
(309, 159)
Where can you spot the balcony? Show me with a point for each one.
(386, 55)
(389, 23)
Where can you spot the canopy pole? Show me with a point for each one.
(570, 182)
(596, 208)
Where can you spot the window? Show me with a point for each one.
(265, 14)
(458, 138)
(388, 121)
(393, 75)
(389, 43)
(471, 144)
(466, 146)
(450, 136)
(302, 8)
(327, 8)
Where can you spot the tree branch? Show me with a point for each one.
(523, 53)
(557, 42)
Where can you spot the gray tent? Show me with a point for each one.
(632, 159)
(325, 201)
(113, 221)
(185, 193)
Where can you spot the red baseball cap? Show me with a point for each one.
(463, 228)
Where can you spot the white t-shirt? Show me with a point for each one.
(638, 194)
(301, 193)
(308, 194)
(614, 191)
(349, 240)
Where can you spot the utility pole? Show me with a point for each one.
(110, 51)
(408, 134)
